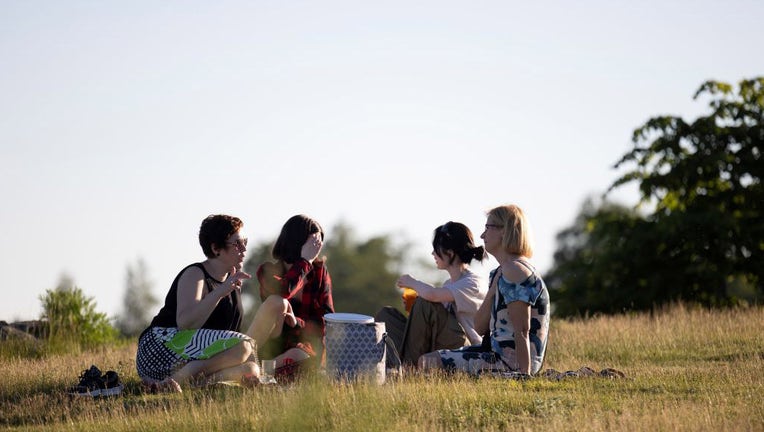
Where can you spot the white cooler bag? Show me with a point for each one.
(355, 347)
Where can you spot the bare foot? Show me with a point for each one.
(250, 381)
(167, 385)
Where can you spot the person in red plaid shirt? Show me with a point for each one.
(296, 291)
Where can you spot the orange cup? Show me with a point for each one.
(409, 296)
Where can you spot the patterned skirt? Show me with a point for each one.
(164, 350)
(472, 359)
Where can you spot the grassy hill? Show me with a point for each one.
(686, 369)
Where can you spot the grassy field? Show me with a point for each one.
(686, 369)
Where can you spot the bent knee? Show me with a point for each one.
(242, 351)
(275, 303)
(251, 368)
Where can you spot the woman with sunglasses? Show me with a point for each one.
(515, 313)
(441, 317)
(296, 291)
(195, 336)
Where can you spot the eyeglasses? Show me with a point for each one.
(240, 244)
(494, 226)
(444, 228)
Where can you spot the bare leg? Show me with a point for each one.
(269, 319)
(230, 358)
(236, 373)
(295, 354)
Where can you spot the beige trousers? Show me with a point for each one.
(429, 327)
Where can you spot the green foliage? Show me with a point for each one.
(704, 240)
(21, 349)
(138, 302)
(592, 270)
(72, 319)
(256, 255)
(363, 271)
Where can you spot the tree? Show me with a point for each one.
(256, 255)
(705, 179)
(363, 272)
(138, 302)
(606, 262)
(65, 282)
(704, 238)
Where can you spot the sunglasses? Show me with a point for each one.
(240, 244)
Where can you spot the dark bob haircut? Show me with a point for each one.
(293, 236)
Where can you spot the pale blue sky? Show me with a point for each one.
(123, 124)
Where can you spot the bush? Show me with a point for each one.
(72, 319)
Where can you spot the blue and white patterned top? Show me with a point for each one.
(532, 291)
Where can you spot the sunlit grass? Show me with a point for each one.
(687, 369)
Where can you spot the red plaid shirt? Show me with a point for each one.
(309, 290)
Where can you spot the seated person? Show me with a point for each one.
(444, 317)
(196, 333)
(296, 291)
(516, 309)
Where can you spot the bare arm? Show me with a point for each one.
(424, 290)
(194, 304)
(520, 316)
(483, 314)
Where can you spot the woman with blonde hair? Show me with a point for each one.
(515, 313)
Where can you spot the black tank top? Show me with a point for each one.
(226, 315)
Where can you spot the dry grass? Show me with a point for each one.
(687, 369)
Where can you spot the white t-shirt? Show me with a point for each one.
(469, 291)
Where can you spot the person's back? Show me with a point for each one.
(468, 292)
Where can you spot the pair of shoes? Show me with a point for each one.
(93, 383)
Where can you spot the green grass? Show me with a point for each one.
(687, 369)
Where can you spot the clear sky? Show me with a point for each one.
(124, 124)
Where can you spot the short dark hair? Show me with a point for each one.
(456, 237)
(216, 230)
(293, 236)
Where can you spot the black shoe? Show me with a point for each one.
(93, 384)
(111, 384)
(90, 383)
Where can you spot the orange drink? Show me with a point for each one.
(409, 295)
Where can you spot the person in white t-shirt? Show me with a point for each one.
(440, 317)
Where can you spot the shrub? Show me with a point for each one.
(72, 319)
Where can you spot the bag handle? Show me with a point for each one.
(391, 348)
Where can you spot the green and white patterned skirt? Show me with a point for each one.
(164, 350)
